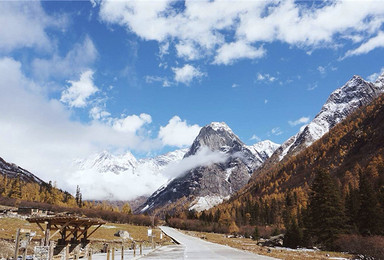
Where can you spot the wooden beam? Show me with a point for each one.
(94, 231)
(72, 231)
(47, 231)
(61, 229)
(85, 230)
(42, 229)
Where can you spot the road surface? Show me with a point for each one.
(195, 248)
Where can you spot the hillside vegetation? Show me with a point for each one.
(342, 173)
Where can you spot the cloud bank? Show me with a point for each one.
(200, 28)
(39, 133)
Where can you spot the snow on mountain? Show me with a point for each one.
(208, 185)
(263, 150)
(128, 164)
(11, 170)
(341, 103)
(123, 177)
(159, 163)
(107, 162)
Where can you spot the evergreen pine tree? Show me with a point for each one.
(293, 235)
(352, 206)
(78, 197)
(15, 191)
(370, 214)
(256, 234)
(325, 211)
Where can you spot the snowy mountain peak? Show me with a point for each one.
(341, 103)
(219, 126)
(263, 150)
(217, 137)
(380, 80)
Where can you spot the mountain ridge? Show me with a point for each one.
(206, 186)
(342, 102)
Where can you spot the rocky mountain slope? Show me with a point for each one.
(353, 147)
(207, 185)
(341, 103)
(11, 170)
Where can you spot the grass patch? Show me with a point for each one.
(105, 234)
(251, 245)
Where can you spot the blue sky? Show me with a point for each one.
(82, 77)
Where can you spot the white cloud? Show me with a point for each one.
(321, 69)
(131, 123)
(79, 91)
(78, 59)
(98, 113)
(312, 86)
(255, 138)
(41, 135)
(373, 77)
(371, 44)
(164, 81)
(265, 77)
(187, 73)
(265, 101)
(205, 24)
(234, 85)
(178, 133)
(24, 24)
(203, 157)
(124, 186)
(164, 49)
(276, 131)
(300, 121)
(231, 52)
(187, 50)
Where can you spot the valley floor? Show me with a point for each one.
(277, 252)
(190, 247)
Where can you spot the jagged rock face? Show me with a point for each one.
(341, 103)
(218, 137)
(218, 180)
(11, 170)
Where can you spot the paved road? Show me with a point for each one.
(195, 248)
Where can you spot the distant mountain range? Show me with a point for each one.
(218, 163)
(210, 185)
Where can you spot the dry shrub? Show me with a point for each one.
(370, 246)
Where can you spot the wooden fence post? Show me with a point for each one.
(141, 248)
(66, 252)
(77, 252)
(17, 243)
(113, 253)
(90, 254)
(122, 251)
(51, 247)
(108, 252)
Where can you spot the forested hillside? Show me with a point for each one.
(342, 174)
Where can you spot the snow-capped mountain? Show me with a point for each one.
(107, 162)
(263, 150)
(11, 170)
(341, 103)
(207, 185)
(128, 164)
